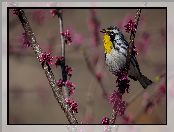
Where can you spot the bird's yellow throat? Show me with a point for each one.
(107, 43)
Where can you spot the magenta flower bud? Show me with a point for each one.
(59, 60)
(68, 70)
(46, 57)
(16, 11)
(73, 105)
(105, 121)
(123, 81)
(71, 86)
(60, 83)
(131, 27)
(67, 36)
(118, 105)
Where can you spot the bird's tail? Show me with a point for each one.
(144, 81)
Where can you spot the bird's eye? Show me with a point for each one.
(111, 33)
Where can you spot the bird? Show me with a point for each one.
(116, 46)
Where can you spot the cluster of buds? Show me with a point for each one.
(68, 70)
(131, 27)
(46, 58)
(71, 86)
(59, 60)
(73, 105)
(67, 37)
(60, 83)
(105, 121)
(123, 81)
(16, 11)
(68, 84)
(118, 105)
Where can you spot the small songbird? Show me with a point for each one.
(116, 48)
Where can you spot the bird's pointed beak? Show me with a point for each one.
(103, 31)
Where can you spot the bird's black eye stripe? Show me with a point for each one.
(112, 36)
(111, 33)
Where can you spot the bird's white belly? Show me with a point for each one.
(115, 61)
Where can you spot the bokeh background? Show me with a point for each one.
(31, 100)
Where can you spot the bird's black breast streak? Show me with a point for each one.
(119, 44)
(124, 47)
(117, 48)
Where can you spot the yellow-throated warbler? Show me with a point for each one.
(116, 52)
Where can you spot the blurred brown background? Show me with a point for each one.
(31, 100)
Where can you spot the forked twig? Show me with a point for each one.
(48, 72)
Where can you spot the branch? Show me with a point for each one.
(129, 54)
(113, 117)
(48, 72)
(132, 37)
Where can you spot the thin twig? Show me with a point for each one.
(60, 17)
(48, 72)
(129, 54)
(113, 117)
(64, 76)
